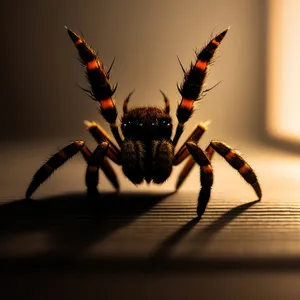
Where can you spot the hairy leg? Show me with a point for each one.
(101, 89)
(59, 158)
(237, 162)
(100, 136)
(203, 159)
(206, 176)
(195, 136)
(105, 167)
(189, 166)
(191, 89)
(52, 164)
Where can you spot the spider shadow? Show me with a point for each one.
(162, 252)
(73, 222)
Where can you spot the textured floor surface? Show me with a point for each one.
(153, 229)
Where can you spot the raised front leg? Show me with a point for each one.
(191, 88)
(101, 89)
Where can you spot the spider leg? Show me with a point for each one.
(98, 78)
(189, 166)
(95, 161)
(206, 175)
(192, 85)
(203, 159)
(105, 167)
(100, 136)
(195, 136)
(52, 164)
(59, 158)
(237, 162)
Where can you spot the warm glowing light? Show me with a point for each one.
(283, 100)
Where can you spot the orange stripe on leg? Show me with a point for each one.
(201, 65)
(229, 155)
(206, 169)
(215, 42)
(187, 104)
(107, 103)
(245, 169)
(92, 65)
(78, 42)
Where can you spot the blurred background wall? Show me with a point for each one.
(39, 96)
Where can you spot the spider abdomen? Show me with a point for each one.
(150, 162)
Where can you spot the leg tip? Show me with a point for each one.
(257, 190)
(203, 199)
(92, 192)
(201, 210)
(29, 191)
(27, 198)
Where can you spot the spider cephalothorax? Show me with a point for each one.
(147, 124)
(146, 149)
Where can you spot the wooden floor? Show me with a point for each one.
(66, 236)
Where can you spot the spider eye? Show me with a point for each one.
(165, 123)
(126, 125)
(141, 124)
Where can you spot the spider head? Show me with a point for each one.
(146, 124)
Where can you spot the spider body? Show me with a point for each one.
(147, 151)
(145, 147)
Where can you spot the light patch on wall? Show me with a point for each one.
(283, 98)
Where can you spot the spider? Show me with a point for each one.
(146, 151)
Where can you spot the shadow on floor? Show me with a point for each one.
(162, 252)
(73, 222)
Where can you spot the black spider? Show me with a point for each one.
(146, 151)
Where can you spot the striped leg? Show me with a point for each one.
(95, 162)
(98, 78)
(238, 163)
(100, 136)
(58, 159)
(192, 87)
(203, 159)
(195, 136)
(206, 175)
(93, 159)
(189, 166)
